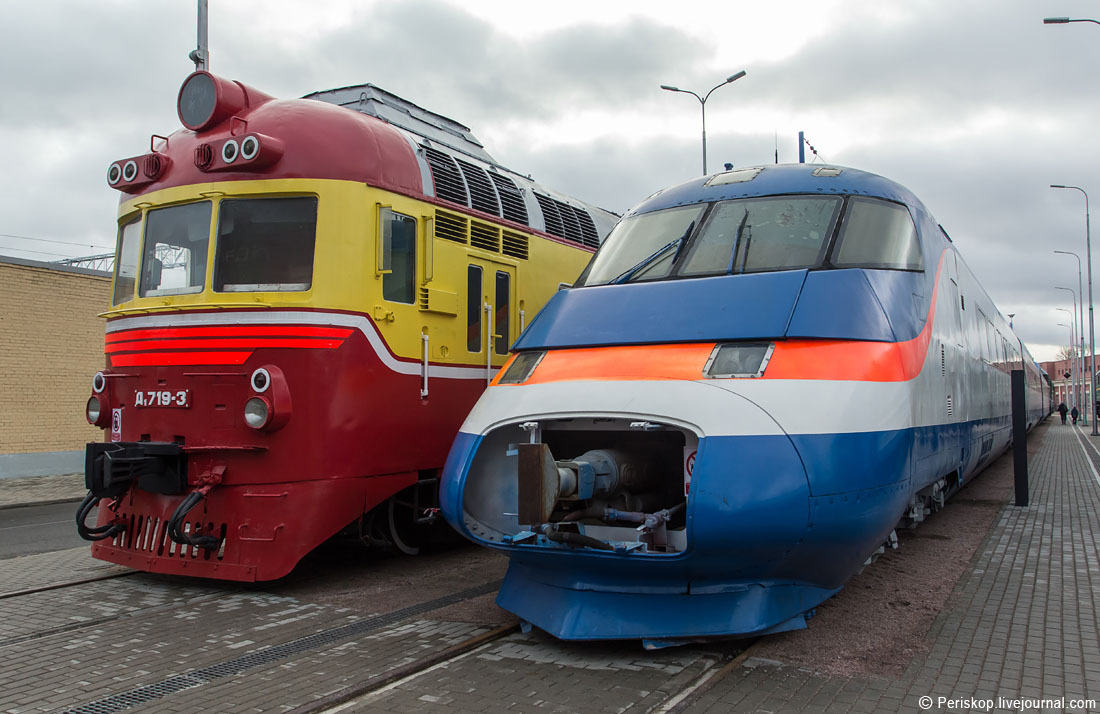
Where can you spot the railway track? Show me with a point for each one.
(64, 584)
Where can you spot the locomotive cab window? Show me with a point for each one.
(397, 256)
(877, 234)
(129, 248)
(763, 234)
(173, 260)
(265, 244)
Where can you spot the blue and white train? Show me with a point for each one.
(759, 376)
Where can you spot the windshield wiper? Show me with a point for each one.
(653, 257)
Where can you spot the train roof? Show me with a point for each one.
(392, 109)
(778, 179)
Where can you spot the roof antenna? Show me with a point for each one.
(201, 54)
(777, 147)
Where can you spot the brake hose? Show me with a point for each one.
(97, 532)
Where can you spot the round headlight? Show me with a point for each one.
(261, 380)
(99, 383)
(256, 413)
(114, 174)
(230, 151)
(93, 410)
(250, 146)
(130, 170)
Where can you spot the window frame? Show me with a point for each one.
(245, 288)
(137, 219)
(842, 224)
(385, 271)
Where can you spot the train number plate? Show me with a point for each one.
(162, 398)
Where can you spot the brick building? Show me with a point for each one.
(1063, 386)
(51, 343)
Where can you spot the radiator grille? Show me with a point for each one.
(484, 236)
(514, 244)
(448, 181)
(483, 196)
(550, 215)
(511, 199)
(450, 227)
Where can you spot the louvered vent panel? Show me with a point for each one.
(448, 182)
(588, 228)
(569, 221)
(950, 407)
(943, 361)
(450, 227)
(511, 199)
(482, 195)
(484, 236)
(515, 245)
(550, 214)
(423, 299)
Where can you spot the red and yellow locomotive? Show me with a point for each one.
(309, 296)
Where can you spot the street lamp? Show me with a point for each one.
(1074, 392)
(1066, 20)
(703, 106)
(1076, 368)
(1080, 307)
(1092, 334)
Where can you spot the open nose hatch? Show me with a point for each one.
(623, 487)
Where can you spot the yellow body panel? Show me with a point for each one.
(347, 272)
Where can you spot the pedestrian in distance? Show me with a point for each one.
(1073, 414)
(1062, 409)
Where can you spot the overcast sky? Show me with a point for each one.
(977, 107)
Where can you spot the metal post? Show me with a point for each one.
(201, 54)
(801, 147)
(703, 106)
(1019, 436)
(1092, 330)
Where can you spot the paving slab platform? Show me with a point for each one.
(1019, 633)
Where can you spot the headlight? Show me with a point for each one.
(261, 380)
(739, 360)
(256, 412)
(521, 368)
(99, 383)
(93, 410)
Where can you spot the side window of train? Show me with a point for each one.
(129, 249)
(397, 256)
(473, 308)
(877, 234)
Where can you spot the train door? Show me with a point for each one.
(491, 326)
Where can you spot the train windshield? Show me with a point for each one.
(753, 235)
(642, 247)
(265, 244)
(761, 234)
(173, 260)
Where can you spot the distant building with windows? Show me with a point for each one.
(1064, 386)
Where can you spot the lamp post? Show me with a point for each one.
(1074, 366)
(1066, 20)
(703, 106)
(1092, 334)
(1072, 390)
(1080, 308)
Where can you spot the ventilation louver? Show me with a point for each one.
(482, 195)
(450, 227)
(511, 199)
(446, 177)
